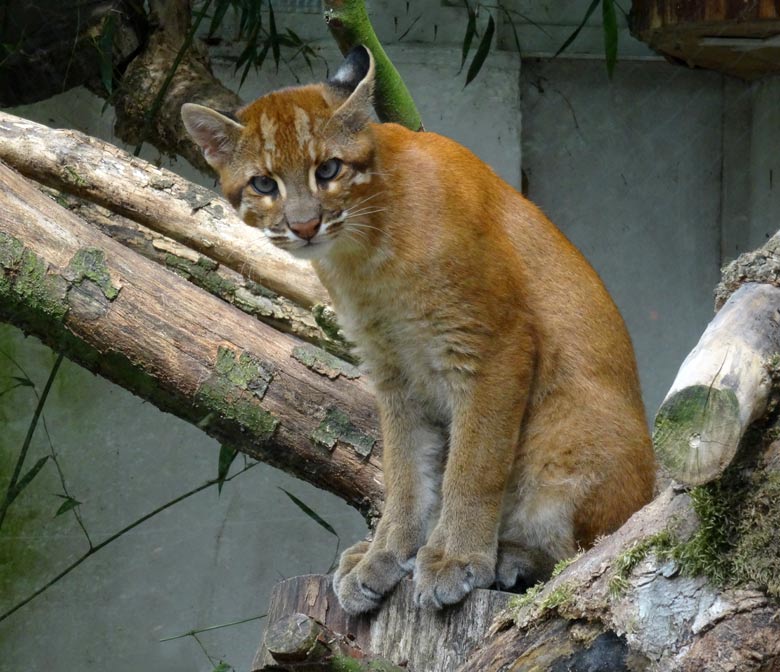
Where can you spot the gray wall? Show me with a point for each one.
(657, 176)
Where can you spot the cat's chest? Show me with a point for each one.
(402, 340)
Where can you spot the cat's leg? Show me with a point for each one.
(537, 534)
(584, 471)
(412, 458)
(460, 554)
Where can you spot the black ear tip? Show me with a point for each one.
(360, 57)
(353, 70)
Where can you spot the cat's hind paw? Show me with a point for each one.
(441, 579)
(365, 576)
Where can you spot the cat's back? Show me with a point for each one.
(442, 190)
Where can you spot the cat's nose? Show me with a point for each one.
(306, 230)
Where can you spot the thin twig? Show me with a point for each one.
(116, 536)
(197, 631)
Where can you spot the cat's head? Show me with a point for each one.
(297, 163)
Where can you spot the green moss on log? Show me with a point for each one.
(90, 264)
(661, 544)
(336, 426)
(203, 273)
(696, 433)
(27, 287)
(324, 363)
(234, 392)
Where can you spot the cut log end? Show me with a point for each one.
(697, 432)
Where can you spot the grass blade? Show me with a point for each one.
(67, 505)
(106, 54)
(576, 32)
(227, 454)
(471, 31)
(610, 34)
(311, 513)
(482, 51)
(25, 480)
(273, 35)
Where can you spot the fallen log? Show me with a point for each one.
(122, 316)
(100, 172)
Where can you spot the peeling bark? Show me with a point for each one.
(225, 283)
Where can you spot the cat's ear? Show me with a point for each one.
(355, 79)
(216, 134)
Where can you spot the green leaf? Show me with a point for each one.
(223, 667)
(25, 480)
(227, 454)
(312, 514)
(23, 382)
(610, 34)
(514, 28)
(482, 51)
(573, 36)
(471, 30)
(273, 35)
(219, 14)
(67, 505)
(106, 51)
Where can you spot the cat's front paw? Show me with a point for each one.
(365, 575)
(441, 578)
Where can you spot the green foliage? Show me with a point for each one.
(482, 51)
(227, 454)
(324, 524)
(660, 543)
(563, 564)
(609, 24)
(527, 598)
(67, 505)
(258, 30)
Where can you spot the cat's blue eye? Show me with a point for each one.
(327, 170)
(264, 185)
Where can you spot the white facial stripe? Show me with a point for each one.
(302, 126)
(268, 129)
(360, 178)
(280, 184)
(313, 179)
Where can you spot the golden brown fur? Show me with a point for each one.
(513, 426)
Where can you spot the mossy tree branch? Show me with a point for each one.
(184, 350)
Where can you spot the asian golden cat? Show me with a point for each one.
(513, 426)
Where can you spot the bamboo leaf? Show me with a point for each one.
(311, 513)
(482, 51)
(23, 382)
(610, 34)
(106, 53)
(223, 667)
(67, 505)
(512, 24)
(219, 14)
(471, 30)
(273, 35)
(25, 480)
(573, 36)
(227, 454)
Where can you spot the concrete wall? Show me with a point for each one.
(656, 176)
